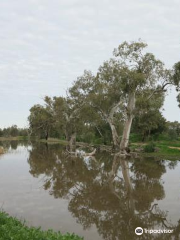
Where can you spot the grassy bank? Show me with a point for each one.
(164, 149)
(13, 229)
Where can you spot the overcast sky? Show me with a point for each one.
(46, 44)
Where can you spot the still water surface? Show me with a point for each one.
(97, 198)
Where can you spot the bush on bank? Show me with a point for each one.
(13, 229)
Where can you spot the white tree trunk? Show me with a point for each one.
(114, 135)
(127, 126)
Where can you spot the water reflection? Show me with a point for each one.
(13, 144)
(113, 194)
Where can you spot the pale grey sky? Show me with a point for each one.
(45, 45)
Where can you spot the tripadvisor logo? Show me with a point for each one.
(138, 231)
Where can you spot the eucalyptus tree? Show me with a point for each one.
(145, 74)
(101, 94)
(113, 91)
(66, 114)
(40, 121)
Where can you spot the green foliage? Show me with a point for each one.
(13, 229)
(172, 134)
(149, 147)
(148, 121)
(176, 76)
(40, 121)
(172, 130)
(13, 131)
(135, 137)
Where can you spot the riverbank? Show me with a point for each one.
(11, 228)
(163, 149)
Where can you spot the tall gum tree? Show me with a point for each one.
(112, 92)
(101, 93)
(144, 72)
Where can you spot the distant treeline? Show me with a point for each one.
(13, 131)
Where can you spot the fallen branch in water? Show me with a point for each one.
(91, 154)
(82, 153)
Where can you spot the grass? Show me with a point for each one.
(167, 149)
(13, 229)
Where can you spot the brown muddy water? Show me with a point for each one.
(97, 198)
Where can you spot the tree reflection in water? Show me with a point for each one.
(115, 195)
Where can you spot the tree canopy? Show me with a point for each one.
(129, 86)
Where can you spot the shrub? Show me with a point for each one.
(150, 147)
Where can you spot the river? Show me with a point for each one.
(98, 198)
